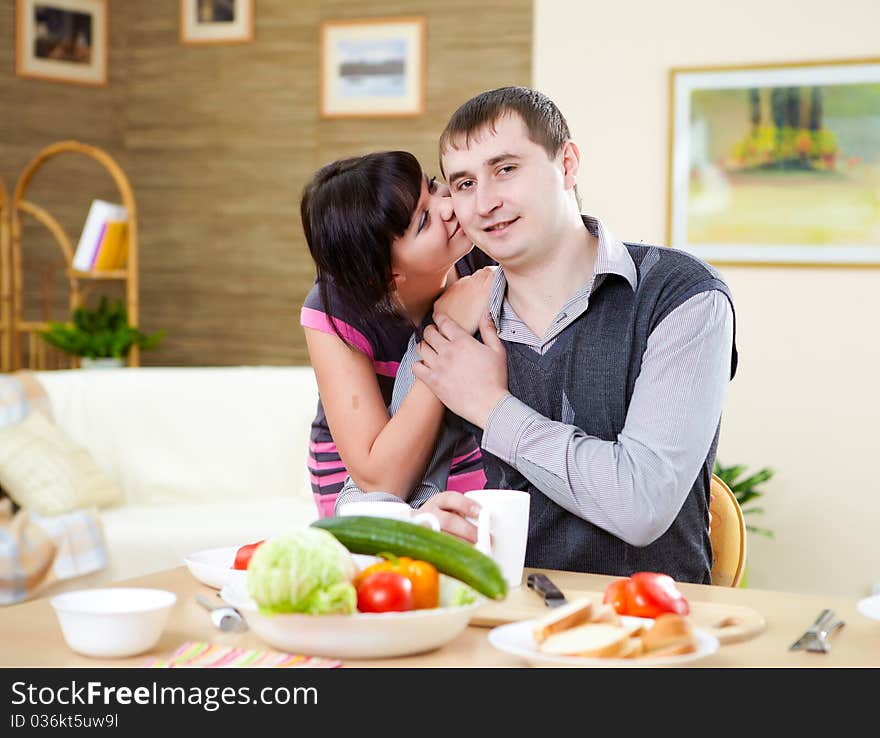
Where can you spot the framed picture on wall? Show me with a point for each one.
(216, 21)
(373, 67)
(62, 40)
(776, 164)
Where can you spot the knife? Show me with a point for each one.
(541, 583)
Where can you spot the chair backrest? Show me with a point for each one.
(728, 535)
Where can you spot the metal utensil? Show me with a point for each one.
(542, 584)
(811, 635)
(225, 617)
(820, 643)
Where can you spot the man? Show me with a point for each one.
(600, 378)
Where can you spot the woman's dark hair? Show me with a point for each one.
(352, 211)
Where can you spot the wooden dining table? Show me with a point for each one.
(31, 636)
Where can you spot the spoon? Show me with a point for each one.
(226, 618)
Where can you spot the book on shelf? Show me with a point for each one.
(100, 213)
(113, 247)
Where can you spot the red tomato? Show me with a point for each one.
(616, 595)
(646, 595)
(662, 591)
(243, 555)
(385, 591)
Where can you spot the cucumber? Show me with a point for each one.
(370, 535)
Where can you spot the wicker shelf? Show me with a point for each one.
(15, 332)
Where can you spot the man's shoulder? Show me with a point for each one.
(673, 262)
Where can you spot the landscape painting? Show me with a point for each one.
(373, 67)
(777, 164)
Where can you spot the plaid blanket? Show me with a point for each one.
(36, 551)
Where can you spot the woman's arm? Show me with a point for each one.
(380, 453)
(383, 454)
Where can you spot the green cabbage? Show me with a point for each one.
(306, 570)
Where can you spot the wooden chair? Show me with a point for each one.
(728, 535)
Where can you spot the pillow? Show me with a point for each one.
(44, 471)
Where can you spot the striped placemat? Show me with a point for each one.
(211, 655)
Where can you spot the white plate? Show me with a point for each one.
(870, 607)
(361, 635)
(517, 639)
(214, 566)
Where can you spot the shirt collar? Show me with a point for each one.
(612, 258)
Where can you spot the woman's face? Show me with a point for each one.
(433, 242)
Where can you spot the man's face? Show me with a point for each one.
(510, 197)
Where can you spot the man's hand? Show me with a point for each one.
(467, 376)
(452, 509)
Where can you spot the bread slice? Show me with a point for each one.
(669, 630)
(562, 618)
(675, 649)
(633, 649)
(605, 614)
(596, 640)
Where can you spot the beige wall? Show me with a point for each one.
(805, 400)
(218, 142)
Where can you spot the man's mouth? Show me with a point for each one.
(500, 226)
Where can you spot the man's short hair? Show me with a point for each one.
(546, 126)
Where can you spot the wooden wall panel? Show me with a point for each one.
(218, 142)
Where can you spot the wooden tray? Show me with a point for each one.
(728, 623)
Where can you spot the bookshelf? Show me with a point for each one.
(17, 332)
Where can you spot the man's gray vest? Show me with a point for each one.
(586, 379)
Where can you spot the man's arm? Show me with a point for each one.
(635, 486)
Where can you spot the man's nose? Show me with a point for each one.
(487, 199)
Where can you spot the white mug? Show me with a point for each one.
(503, 529)
(387, 509)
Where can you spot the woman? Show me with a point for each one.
(386, 244)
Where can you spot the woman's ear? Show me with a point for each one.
(397, 280)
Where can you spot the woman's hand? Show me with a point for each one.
(466, 299)
(452, 510)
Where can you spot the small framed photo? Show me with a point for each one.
(216, 21)
(373, 67)
(777, 163)
(62, 40)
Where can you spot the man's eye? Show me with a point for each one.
(507, 169)
(465, 184)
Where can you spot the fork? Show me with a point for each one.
(819, 644)
(809, 636)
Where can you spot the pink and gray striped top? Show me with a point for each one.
(383, 340)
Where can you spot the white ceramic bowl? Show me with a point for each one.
(360, 635)
(113, 622)
(214, 566)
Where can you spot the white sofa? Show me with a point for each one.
(206, 457)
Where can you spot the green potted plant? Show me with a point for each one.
(745, 490)
(98, 335)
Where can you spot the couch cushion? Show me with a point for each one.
(45, 472)
(192, 434)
